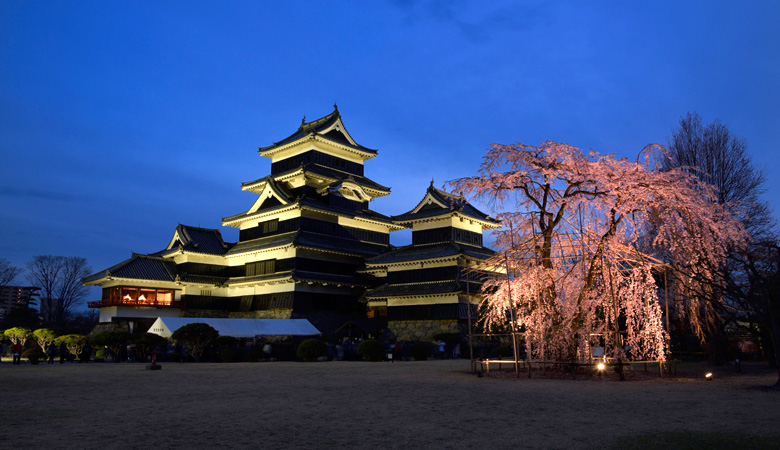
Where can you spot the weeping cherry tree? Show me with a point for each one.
(579, 244)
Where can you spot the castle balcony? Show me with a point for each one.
(137, 297)
(135, 303)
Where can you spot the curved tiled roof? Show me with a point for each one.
(309, 239)
(145, 267)
(262, 243)
(315, 127)
(453, 203)
(429, 251)
(200, 240)
(330, 172)
(415, 289)
(338, 244)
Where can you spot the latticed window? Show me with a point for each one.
(261, 268)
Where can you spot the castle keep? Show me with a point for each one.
(310, 247)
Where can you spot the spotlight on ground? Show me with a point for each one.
(708, 376)
(601, 367)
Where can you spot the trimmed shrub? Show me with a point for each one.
(311, 349)
(196, 337)
(115, 340)
(145, 343)
(371, 350)
(420, 351)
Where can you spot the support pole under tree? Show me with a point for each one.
(511, 304)
(668, 329)
(471, 340)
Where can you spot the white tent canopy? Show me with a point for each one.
(165, 326)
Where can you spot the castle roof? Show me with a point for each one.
(198, 240)
(423, 252)
(329, 128)
(147, 267)
(437, 202)
(415, 289)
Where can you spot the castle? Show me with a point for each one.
(310, 247)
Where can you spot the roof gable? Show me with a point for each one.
(440, 203)
(198, 240)
(329, 128)
(269, 190)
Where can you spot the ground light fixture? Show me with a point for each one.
(708, 376)
(601, 366)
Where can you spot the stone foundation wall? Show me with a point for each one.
(265, 314)
(206, 313)
(423, 330)
(110, 326)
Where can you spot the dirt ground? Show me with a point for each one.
(430, 404)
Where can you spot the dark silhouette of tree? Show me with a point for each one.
(719, 158)
(195, 336)
(8, 272)
(146, 342)
(746, 284)
(59, 279)
(114, 340)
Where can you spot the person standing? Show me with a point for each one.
(17, 351)
(50, 351)
(63, 351)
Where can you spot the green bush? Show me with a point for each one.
(311, 349)
(101, 353)
(371, 350)
(420, 351)
(227, 355)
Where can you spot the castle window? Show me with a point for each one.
(261, 268)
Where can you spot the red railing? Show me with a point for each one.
(105, 302)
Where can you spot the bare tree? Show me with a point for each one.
(8, 272)
(59, 279)
(730, 291)
(720, 159)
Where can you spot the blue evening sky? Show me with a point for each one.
(119, 119)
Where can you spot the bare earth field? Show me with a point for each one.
(431, 404)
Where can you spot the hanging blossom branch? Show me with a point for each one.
(582, 240)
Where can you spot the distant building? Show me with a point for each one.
(310, 247)
(16, 297)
